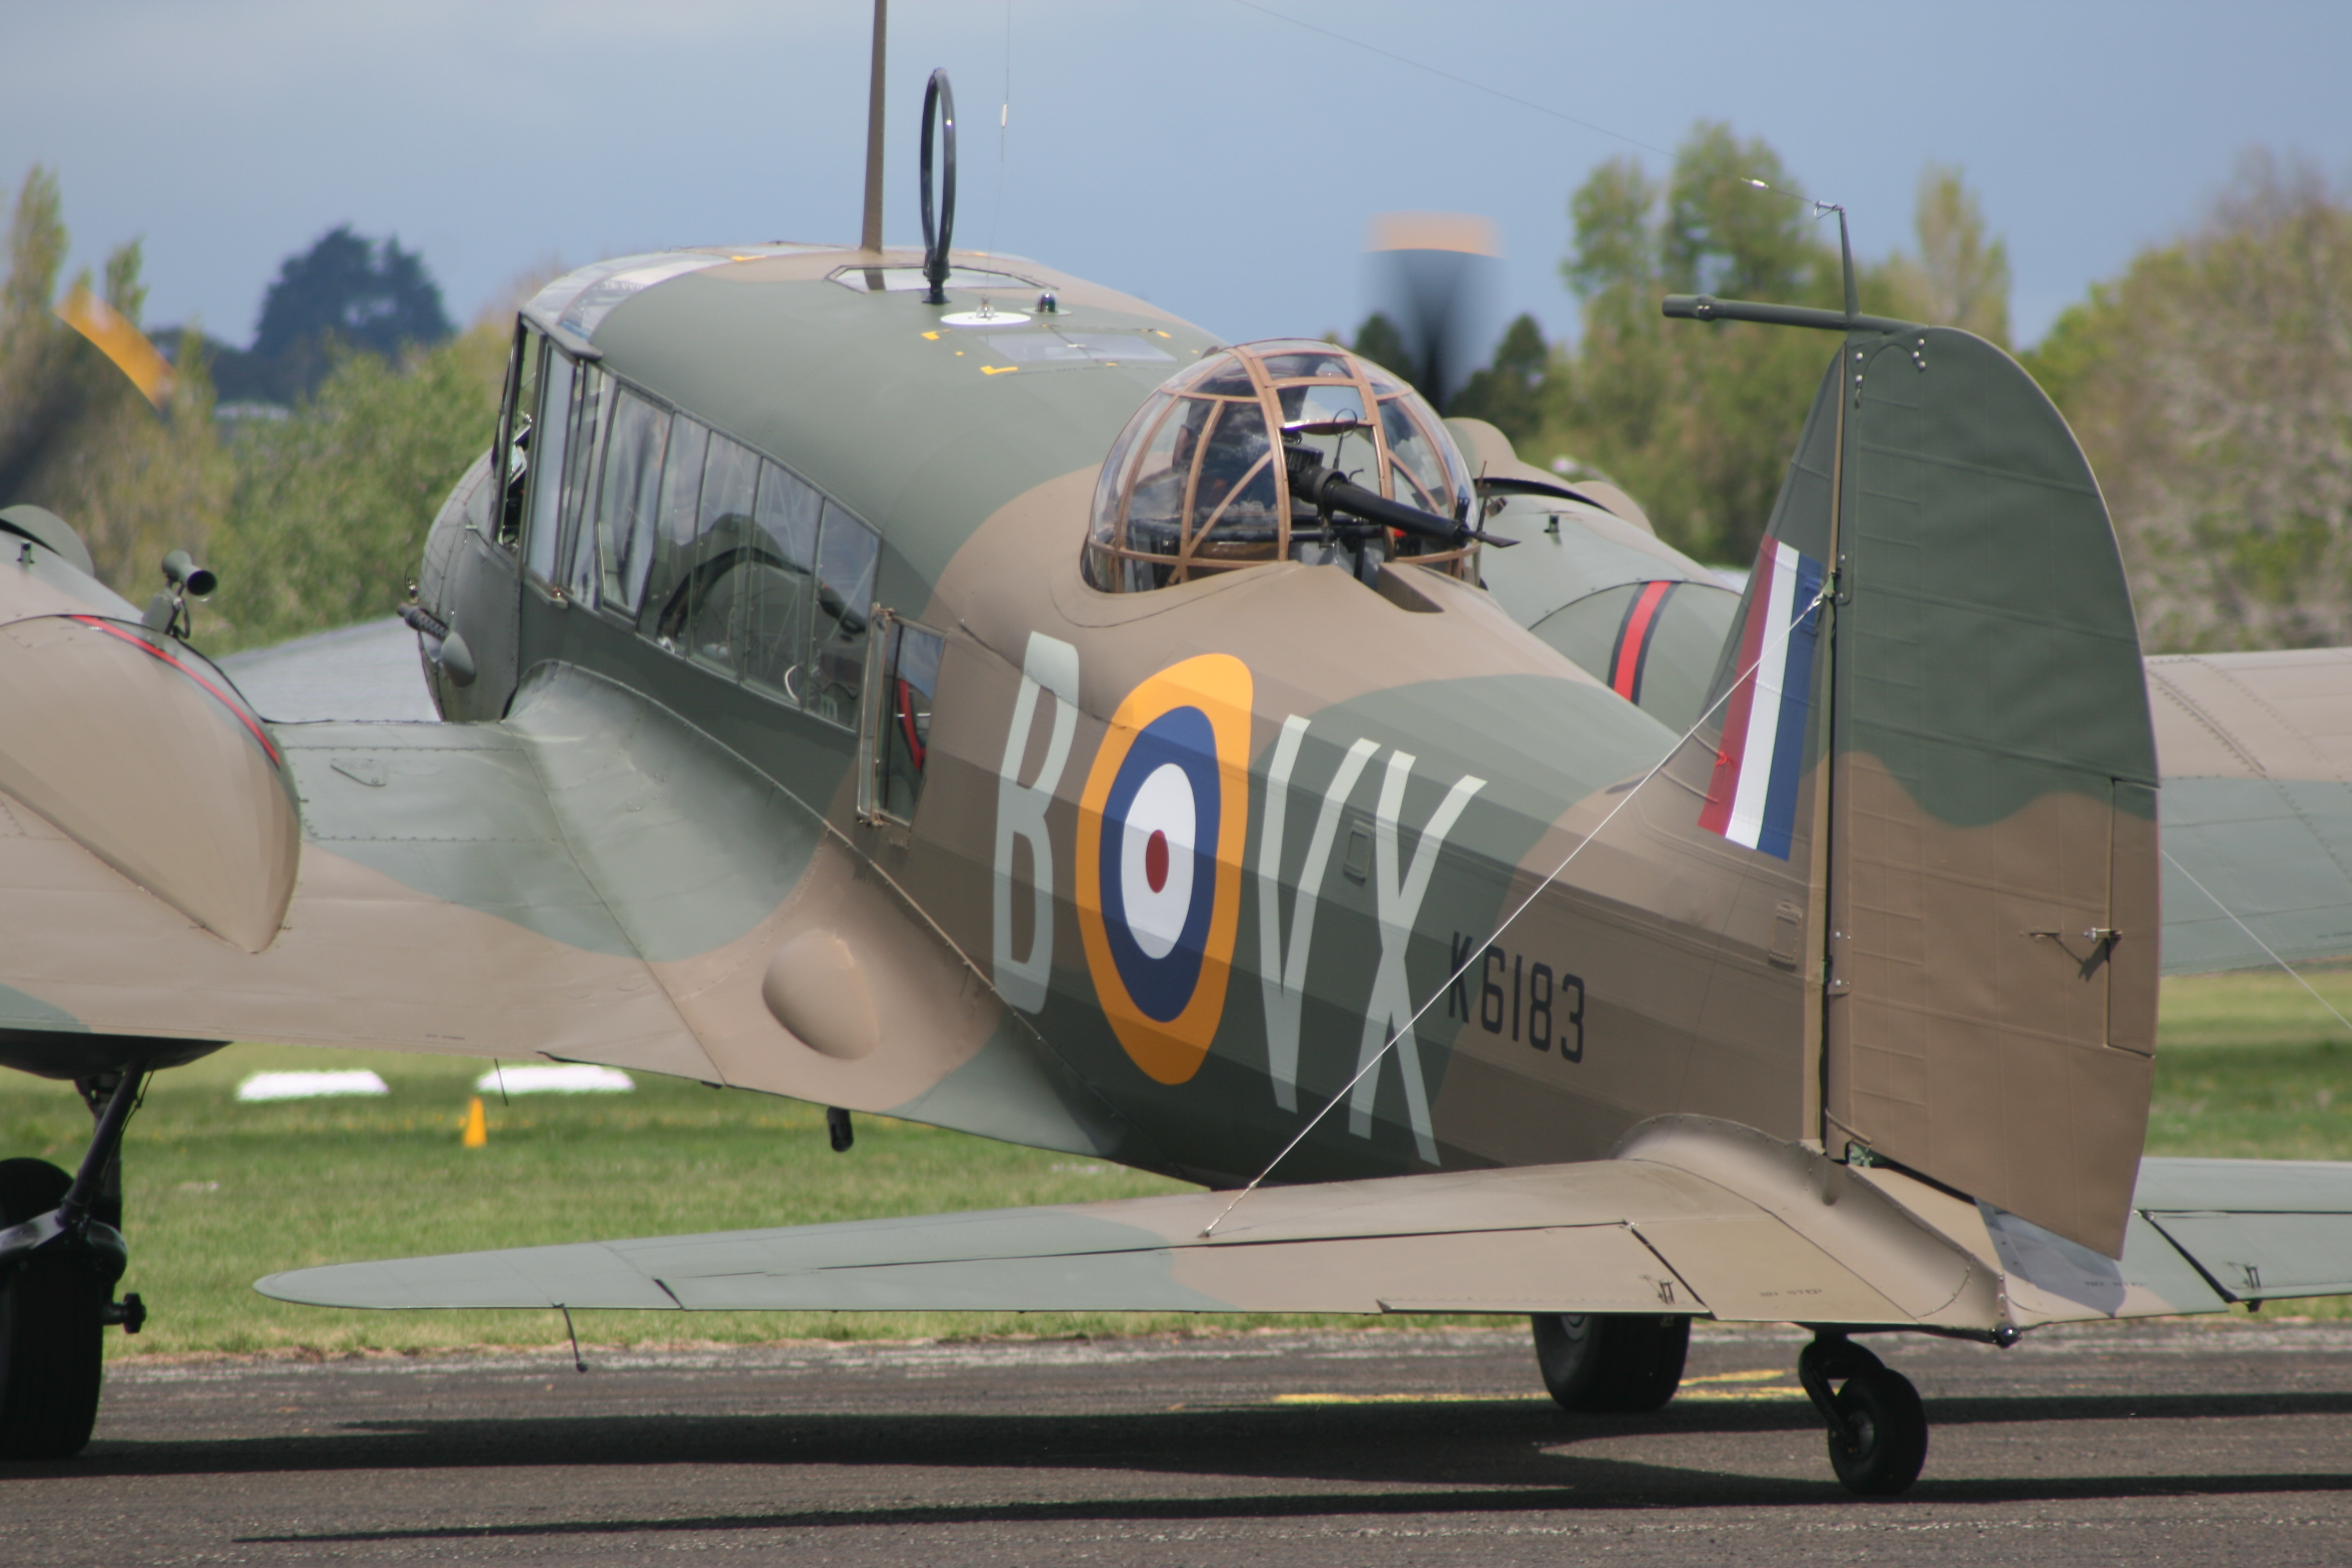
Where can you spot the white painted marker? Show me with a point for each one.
(268, 1086)
(559, 1077)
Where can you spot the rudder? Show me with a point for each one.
(1986, 912)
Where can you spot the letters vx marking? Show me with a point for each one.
(1282, 967)
(1399, 901)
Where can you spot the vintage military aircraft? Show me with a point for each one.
(922, 682)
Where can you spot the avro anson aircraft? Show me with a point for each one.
(921, 682)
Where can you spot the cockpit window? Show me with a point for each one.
(628, 503)
(775, 576)
(1318, 363)
(1417, 471)
(1323, 403)
(730, 479)
(1201, 479)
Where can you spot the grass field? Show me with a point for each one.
(220, 1193)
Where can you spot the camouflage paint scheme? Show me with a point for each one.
(979, 484)
(632, 857)
(1585, 554)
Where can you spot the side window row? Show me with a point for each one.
(716, 554)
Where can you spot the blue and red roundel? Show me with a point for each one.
(1160, 829)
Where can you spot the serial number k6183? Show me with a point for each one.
(1529, 1000)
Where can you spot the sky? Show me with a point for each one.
(1214, 156)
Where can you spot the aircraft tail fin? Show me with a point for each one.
(1985, 909)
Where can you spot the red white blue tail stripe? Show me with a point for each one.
(1753, 797)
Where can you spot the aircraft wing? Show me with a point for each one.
(1692, 1216)
(178, 869)
(425, 898)
(590, 880)
(2256, 752)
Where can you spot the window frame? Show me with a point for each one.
(595, 522)
(529, 343)
(576, 518)
(545, 583)
(576, 531)
(884, 626)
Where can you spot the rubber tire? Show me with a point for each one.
(1611, 1363)
(52, 1347)
(1885, 1442)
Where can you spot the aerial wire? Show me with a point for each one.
(1003, 121)
(1828, 587)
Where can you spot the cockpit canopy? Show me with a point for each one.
(1197, 481)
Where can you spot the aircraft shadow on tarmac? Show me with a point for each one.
(1452, 1458)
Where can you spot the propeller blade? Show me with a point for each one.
(1436, 266)
(121, 341)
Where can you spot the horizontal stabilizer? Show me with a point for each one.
(2202, 1234)
(1694, 1216)
(2258, 1229)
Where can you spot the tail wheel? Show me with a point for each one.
(51, 1318)
(1605, 1362)
(1883, 1442)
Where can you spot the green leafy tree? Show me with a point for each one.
(311, 522)
(1379, 341)
(1966, 273)
(1697, 420)
(2212, 388)
(1960, 276)
(1514, 392)
(1723, 235)
(348, 289)
(41, 392)
(333, 503)
(75, 435)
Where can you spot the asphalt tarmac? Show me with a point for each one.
(2173, 1443)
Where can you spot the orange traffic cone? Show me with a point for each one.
(478, 1126)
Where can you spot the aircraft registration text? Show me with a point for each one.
(1526, 999)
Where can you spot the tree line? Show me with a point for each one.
(358, 408)
(2211, 384)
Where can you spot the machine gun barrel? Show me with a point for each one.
(1318, 486)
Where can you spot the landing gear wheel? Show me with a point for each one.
(1609, 1363)
(51, 1315)
(1885, 1441)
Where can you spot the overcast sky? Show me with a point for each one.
(1201, 153)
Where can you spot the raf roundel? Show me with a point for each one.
(1160, 828)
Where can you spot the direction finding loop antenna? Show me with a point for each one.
(938, 98)
(1774, 645)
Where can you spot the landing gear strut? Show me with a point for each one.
(60, 1255)
(1878, 1428)
(1610, 1363)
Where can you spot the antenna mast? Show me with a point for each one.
(870, 236)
